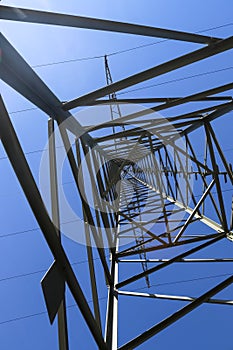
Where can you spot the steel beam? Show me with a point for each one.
(16, 72)
(176, 316)
(152, 100)
(174, 297)
(195, 239)
(25, 177)
(169, 262)
(91, 265)
(62, 318)
(59, 19)
(111, 327)
(205, 260)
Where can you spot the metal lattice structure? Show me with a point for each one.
(145, 172)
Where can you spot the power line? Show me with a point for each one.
(145, 87)
(25, 110)
(38, 229)
(43, 270)
(185, 281)
(20, 318)
(217, 27)
(175, 80)
(122, 51)
(100, 56)
(35, 151)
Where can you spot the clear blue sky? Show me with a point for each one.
(22, 247)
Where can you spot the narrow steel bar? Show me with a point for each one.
(16, 72)
(205, 260)
(99, 202)
(165, 264)
(174, 297)
(153, 100)
(74, 170)
(210, 117)
(62, 318)
(229, 172)
(216, 178)
(59, 19)
(201, 200)
(111, 327)
(176, 316)
(207, 221)
(25, 177)
(180, 101)
(179, 243)
(89, 248)
(205, 184)
(159, 185)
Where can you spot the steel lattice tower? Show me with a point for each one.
(145, 173)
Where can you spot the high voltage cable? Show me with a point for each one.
(100, 56)
(121, 51)
(130, 49)
(97, 258)
(38, 229)
(42, 270)
(185, 281)
(175, 80)
(43, 312)
(145, 87)
(20, 318)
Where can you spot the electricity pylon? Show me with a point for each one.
(154, 188)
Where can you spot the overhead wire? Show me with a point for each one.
(175, 80)
(118, 52)
(146, 87)
(20, 318)
(186, 281)
(126, 50)
(43, 270)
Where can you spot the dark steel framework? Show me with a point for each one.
(150, 177)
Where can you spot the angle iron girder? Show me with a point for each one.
(152, 100)
(19, 163)
(199, 260)
(59, 19)
(171, 261)
(16, 72)
(197, 238)
(62, 317)
(176, 316)
(174, 297)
